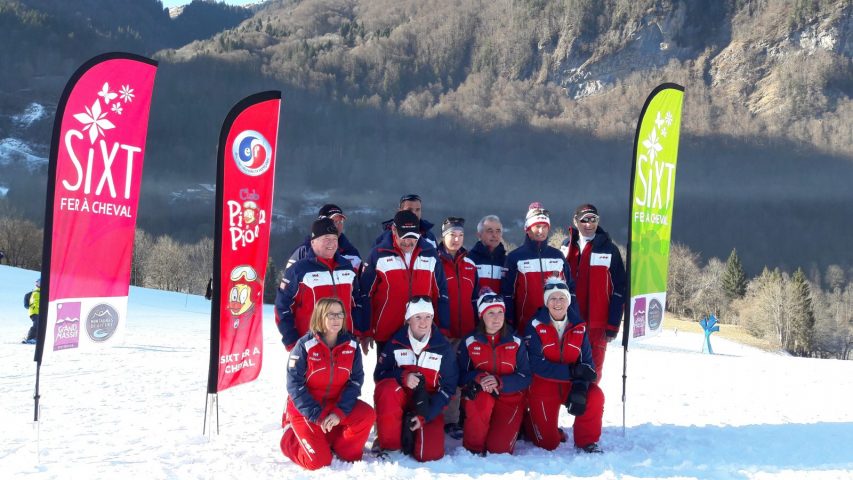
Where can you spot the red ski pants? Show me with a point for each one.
(598, 341)
(544, 401)
(492, 424)
(306, 444)
(391, 400)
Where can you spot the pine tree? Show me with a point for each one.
(271, 282)
(802, 316)
(734, 280)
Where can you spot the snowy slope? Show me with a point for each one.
(138, 411)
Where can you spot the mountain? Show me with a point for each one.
(136, 410)
(481, 107)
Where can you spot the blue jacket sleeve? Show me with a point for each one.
(352, 390)
(539, 365)
(467, 372)
(508, 289)
(297, 255)
(365, 287)
(297, 365)
(443, 301)
(284, 301)
(448, 380)
(519, 379)
(617, 298)
(386, 365)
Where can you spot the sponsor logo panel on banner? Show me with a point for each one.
(86, 323)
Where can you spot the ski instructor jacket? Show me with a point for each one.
(527, 268)
(387, 284)
(600, 279)
(307, 281)
(490, 265)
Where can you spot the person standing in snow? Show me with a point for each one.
(345, 247)
(324, 379)
(563, 374)
(600, 279)
(489, 253)
(415, 377)
(324, 272)
(33, 311)
(528, 266)
(412, 203)
(404, 265)
(494, 374)
(461, 275)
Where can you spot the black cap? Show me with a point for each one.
(452, 223)
(329, 210)
(323, 226)
(410, 197)
(585, 209)
(407, 224)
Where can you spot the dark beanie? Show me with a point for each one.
(323, 226)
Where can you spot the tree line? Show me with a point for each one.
(808, 316)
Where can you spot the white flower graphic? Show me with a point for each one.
(652, 145)
(659, 121)
(126, 93)
(669, 119)
(117, 108)
(107, 94)
(663, 132)
(94, 121)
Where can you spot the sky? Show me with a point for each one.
(175, 3)
(137, 411)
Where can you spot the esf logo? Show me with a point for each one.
(252, 153)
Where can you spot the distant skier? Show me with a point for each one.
(33, 310)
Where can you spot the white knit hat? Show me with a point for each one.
(418, 305)
(536, 214)
(488, 299)
(554, 285)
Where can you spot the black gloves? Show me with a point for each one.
(420, 397)
(583, 372)
(576, 403)
(472, 388)
(611, 333)
(407, 436)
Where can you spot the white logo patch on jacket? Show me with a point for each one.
(600, 260)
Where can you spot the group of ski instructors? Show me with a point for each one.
(506, 339)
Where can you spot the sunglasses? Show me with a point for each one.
(556, 286)
(454, 221)
(589, 219)
(542, 211)
(410, 198)
(420, 298)
(488, 299)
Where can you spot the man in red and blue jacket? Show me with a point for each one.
(563, 373)
(415, 374)
(600, 279)
(529, 266)
(401, 267)
(323, 273)
(489, 253)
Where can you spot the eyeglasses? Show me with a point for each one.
(589, 219)
(336, 315)
(410, 198)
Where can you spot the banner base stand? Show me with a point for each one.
(211, 409)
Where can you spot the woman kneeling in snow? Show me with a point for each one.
(494, 375)
(415, 377)
(563, 373)
(324, 377)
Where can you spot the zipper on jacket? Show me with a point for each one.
(331, 376)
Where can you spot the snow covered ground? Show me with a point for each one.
(137, 410)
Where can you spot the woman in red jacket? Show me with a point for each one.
(494, 374)
(324, 378)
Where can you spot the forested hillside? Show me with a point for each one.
(480, 106)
